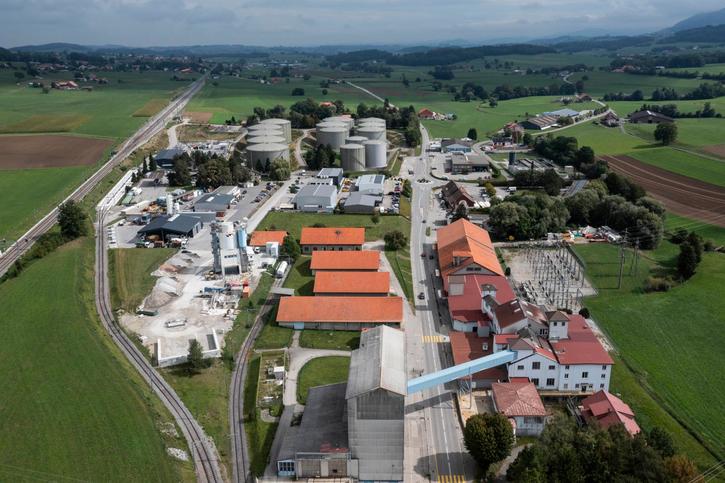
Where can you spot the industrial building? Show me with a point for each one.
(649, 117)
(166, 157)
(352, 157)
(335, 174)
(339, 313)
(213, 202)
(541, 122)
(178, 225)
(357, 261)
(229, 248)
(456, 145)
(370, 184)
(331, 239)
(464, 163)
(354, 429)
(318, 198)
(361, 203)
(266, 152)
(351, 283)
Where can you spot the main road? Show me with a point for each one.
(145, 132)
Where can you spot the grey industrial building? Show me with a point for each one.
(171, 226)
(316, 198)
(464, 163)
(331, 173)
(370, 184)
(214, 202)
(456, 146)
(165, 158)
(354, 430)
(361, 203)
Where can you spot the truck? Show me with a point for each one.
(281, 268)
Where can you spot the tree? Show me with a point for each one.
(472, 134)
(527, 467)
(686, 261)
(551, 182)
(18, 75)
(681, 469)
(461, 211)
(324, 92)
(527, 139)
(196, 356)
(298, 91)
(697, 244)
(152, 163)
(279, 170)
(661, 441)
(492, 102)
(375, 218)
(73, 220)
(666, 133)
(181, 176)
(290, 248)
(490, 189)
(213, 173)
(488, 438)
(395, 240)
(145, 166)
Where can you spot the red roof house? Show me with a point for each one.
(520, 402)
(605, 410)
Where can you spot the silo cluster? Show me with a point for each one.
(353, 157)
(366, 149)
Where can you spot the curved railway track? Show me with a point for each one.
(201, 448)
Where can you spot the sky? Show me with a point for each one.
(325, 22)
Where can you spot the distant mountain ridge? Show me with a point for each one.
(704, 19)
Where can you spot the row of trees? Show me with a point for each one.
(404, 118)
(211, 171)
(322, 156)
(471, 91)
(673, 111)
(706, 90)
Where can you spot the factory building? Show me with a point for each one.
(335, 174)
(229, 248)
(370, 184)
(315, 239)
(166, 157)
(361, 203)
(213, 202)
(178, 225)
(357, 261)
(464, 163)
(331, 283)
(352, 157)
(318, 198)
(339, 313)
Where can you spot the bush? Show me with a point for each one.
(395, 240)
(657, 284)
(584, 312)
(679, 236)
(709, 245)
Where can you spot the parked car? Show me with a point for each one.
(421, 296)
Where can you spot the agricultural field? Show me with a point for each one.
(321, 372)
(602, 82)
(694, 133)
(670, 340)
(131, 279)
(605, 140)
(684, 163)
(74, 399)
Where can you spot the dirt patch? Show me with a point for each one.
(200, 117)
(683, 196)
(50, 151)
(716, 149)
(46, 123)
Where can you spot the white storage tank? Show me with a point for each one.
(284, 124)
(375, 154)
(266, 140)
(371, 120)
(346, 120)
(267, 151)
(371, 132)
(334, 136)
(355, 140)
(324, 124)
(264, 130)
(353, 157)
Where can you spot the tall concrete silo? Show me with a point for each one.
(284, 124)
(324, 124)
(266, 139)
(371, 132)
(375, 154)
(353, 157)
(334, 136)
(266, 151)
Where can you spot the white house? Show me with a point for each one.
(519, 401)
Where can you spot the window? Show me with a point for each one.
(601, 386)
(543, 332)
(535, 381)
(566, 376)
(314, 248)
(566, 386)
(520, 367)
(286, 466)
(604, 368)
(532, 419)
(550, 381)
(585, 375)
(535, 365)
(551, 368)
(566, 367)
(576, 386)
(603, 376)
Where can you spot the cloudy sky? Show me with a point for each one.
(315, 22)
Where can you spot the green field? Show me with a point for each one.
(686, 164)
(672, 341)
(28, 194)
(131, 279)
(111, 110)
(273, 336)
(73, 408)
(600, 83)
(260, 434)
(690, 132)
(300, 277)
(321, 372)
(605, 140)
(335, 339)
(293, 223)
(712, 232)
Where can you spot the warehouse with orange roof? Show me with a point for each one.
(339, 313)
(357, 261)
(351, 283)
(315, 239)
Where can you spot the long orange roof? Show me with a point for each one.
(345, 260)
(464, 239)
(352, 282)
(261, 237)
(332, 236)
(340, 309)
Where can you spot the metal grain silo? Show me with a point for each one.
(266, 151)
(284, 124)
(375, 154)
(371, 132)
(266, 139)
(334, 136)
(353, 157)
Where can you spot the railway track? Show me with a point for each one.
(202, 449)
(146, 132)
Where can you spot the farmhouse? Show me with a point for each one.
(351, 283)
(455, 194)
(427, 114)
(540, 122)
(318, 198)
(325, 239)
(358, 261)
(604, 410)
(339, 313)
(464, 163)
(648, 117)
(521, 404)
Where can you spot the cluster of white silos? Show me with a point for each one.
(268, 140)
(261, 153)
(283, 124)
(366, 149)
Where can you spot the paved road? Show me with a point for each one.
(146, 132)
(298, 148)
(370, 93)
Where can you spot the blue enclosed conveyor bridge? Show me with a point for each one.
(460, 371)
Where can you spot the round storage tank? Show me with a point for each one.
(355, 140)
(373, 133)
(375, 154)
(334, 136)
(268, 151)
(227, 240)
(346, 120)
(326, 124)
(283, 124)
(371, 120)
(353, 157)
(264, 130)
(266, 140)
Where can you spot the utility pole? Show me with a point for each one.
(621, 259)
(636, 256)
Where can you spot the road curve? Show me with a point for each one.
(145, 132)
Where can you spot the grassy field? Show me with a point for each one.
(600, 83)
(605, 140)
(712, 232)
(260, 434)
(320, 372)
(690, 132)
(293, 223)
(131, 279)
(683, 163)
(336, 339)
(300, 277)
(28, 194)
(273, 336)
(76, 410)
(669, 340)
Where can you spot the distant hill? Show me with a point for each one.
(53, 47)
(716, 17)
(610, 43)
(712, 34)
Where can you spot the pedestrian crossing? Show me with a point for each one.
(451, 478)
(434, 339)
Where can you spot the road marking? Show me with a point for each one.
(434, 339)
(451, 478)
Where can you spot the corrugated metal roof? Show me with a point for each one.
(379, 363)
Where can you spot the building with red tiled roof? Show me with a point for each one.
(465, 296)
(467, 346)
(364, 260)
(351, 283)
(325, 239)
(464, 248)
(260, 238)
(605, 410)
(339, 313)
(520, 402)
(426, 113)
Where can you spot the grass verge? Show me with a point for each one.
(336, 339)
(320, 372)
(131, 279)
